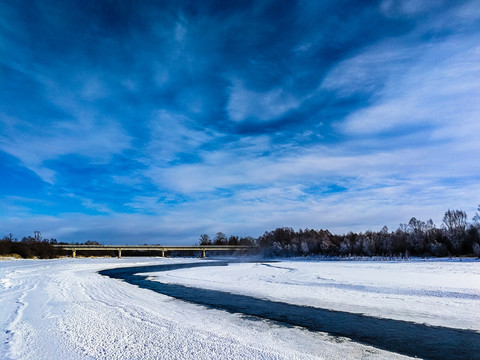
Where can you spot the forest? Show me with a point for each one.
(455, 237)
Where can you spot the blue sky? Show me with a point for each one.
(157, 121)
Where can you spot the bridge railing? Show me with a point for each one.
(201, 248)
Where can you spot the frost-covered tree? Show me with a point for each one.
(368, 246)
(476, 249)
(455, 225)
(345, 247)
(304, 250)
(476, 218)
(455, 220)
(416, 239)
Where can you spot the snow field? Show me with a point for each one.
(63, 309)
(442, 293)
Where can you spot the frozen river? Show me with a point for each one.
(404, 337)
(65, 309)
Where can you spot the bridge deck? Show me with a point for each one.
(202, 248)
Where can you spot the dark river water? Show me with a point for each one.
(408, 338)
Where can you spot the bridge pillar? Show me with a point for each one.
(163, 253)
(74, 253)
(119, 253)
(203, 253)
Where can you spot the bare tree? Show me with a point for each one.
(220, 239)
(455, 220)
(205, 240)
(476, 218)
(455, 225)
(476, 249)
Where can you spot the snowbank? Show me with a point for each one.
(63, 309)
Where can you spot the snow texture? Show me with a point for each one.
(64, 309)
(441, 293)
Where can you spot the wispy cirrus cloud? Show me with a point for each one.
(436, 89)
(244, 104)
(186, 118)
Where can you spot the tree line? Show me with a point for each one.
(37, 247)
(221, 239)
(29, 247)
(455, 237)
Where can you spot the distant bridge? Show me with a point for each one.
(118, 248)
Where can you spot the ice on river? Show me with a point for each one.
(63, 309)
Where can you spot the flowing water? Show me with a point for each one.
(408, 338)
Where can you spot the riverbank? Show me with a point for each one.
(63, 308)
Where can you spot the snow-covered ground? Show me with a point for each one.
(63, 309)
(434, 292)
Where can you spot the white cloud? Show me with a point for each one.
(436, 89)
(245, 104)
(96, 140)
(172, 133)
(84, 131)
(223, 169)
(381, 188)
(412, 151)
(251, 212)
(369, 70)
(146, 204)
